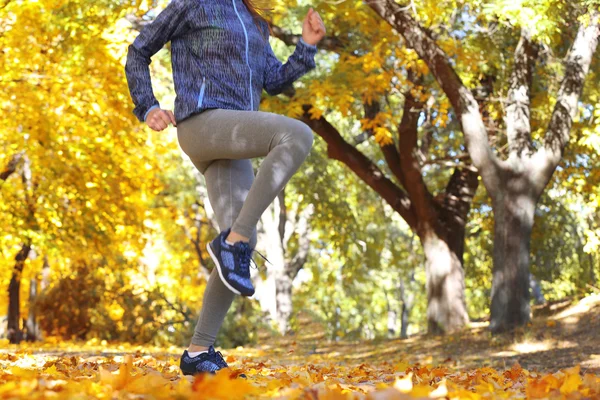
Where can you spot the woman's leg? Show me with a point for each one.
(225, 136)
(228, 183)
(231, 134)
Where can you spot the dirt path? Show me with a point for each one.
(558, 357)
(570, 335)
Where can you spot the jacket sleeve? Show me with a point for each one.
(169, 24)
(278, 75)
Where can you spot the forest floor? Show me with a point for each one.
(561, 335)
(557, 357)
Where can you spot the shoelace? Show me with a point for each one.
(246, 258)
(245, 254)
(265, 258)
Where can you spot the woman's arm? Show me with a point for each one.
(170, 23)
(278, 75)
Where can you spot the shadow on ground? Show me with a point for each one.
(568, 336)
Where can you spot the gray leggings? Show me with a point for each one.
(220, 144)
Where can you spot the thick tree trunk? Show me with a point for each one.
(514, 210)
(14, 301)
(446, 308)
(444, 248)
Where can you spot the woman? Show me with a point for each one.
(222, 60)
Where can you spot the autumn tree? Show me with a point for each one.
(537, 105)
(76, 169)
(366, 79)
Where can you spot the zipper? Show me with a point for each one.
(247, 49)
(201, 95)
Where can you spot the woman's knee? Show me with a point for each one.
(302, 135)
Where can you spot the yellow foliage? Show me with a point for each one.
(154, 372)
(95, 170)
(383, 136)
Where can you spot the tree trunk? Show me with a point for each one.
(32, 328)
(45, 275)
(408, 298)
(513, 222)
(392, 314)
(391, 323)
(446, 308)
(30, 324)
(406, 308)
(536, 290)
(14, 303)
(276, 291)
(592, 271)
(443, 245)
(269, 238)
(283, 289)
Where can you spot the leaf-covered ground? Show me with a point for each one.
(557, 358)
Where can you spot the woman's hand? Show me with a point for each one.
(159, 119)
(313, 28)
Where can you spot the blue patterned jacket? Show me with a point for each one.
(219, 58)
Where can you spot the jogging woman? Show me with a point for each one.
(222, 61)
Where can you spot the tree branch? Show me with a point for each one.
(330, 43)
(390, 153)
(339, 149)
(196, 242)
(184, 311)
(463, 101)
(420, 197)
(577, 66)
(303, 231)
(11, 167)
(518, 126)
(445, 160)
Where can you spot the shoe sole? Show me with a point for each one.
(216, 261)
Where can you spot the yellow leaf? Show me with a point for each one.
(402, 366)
(383, 137)
(315, 113)
(571, 384)
(405, 384)
(440, 391)
(221, 386)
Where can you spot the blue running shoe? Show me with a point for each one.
(233, 263)
(210, 362)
